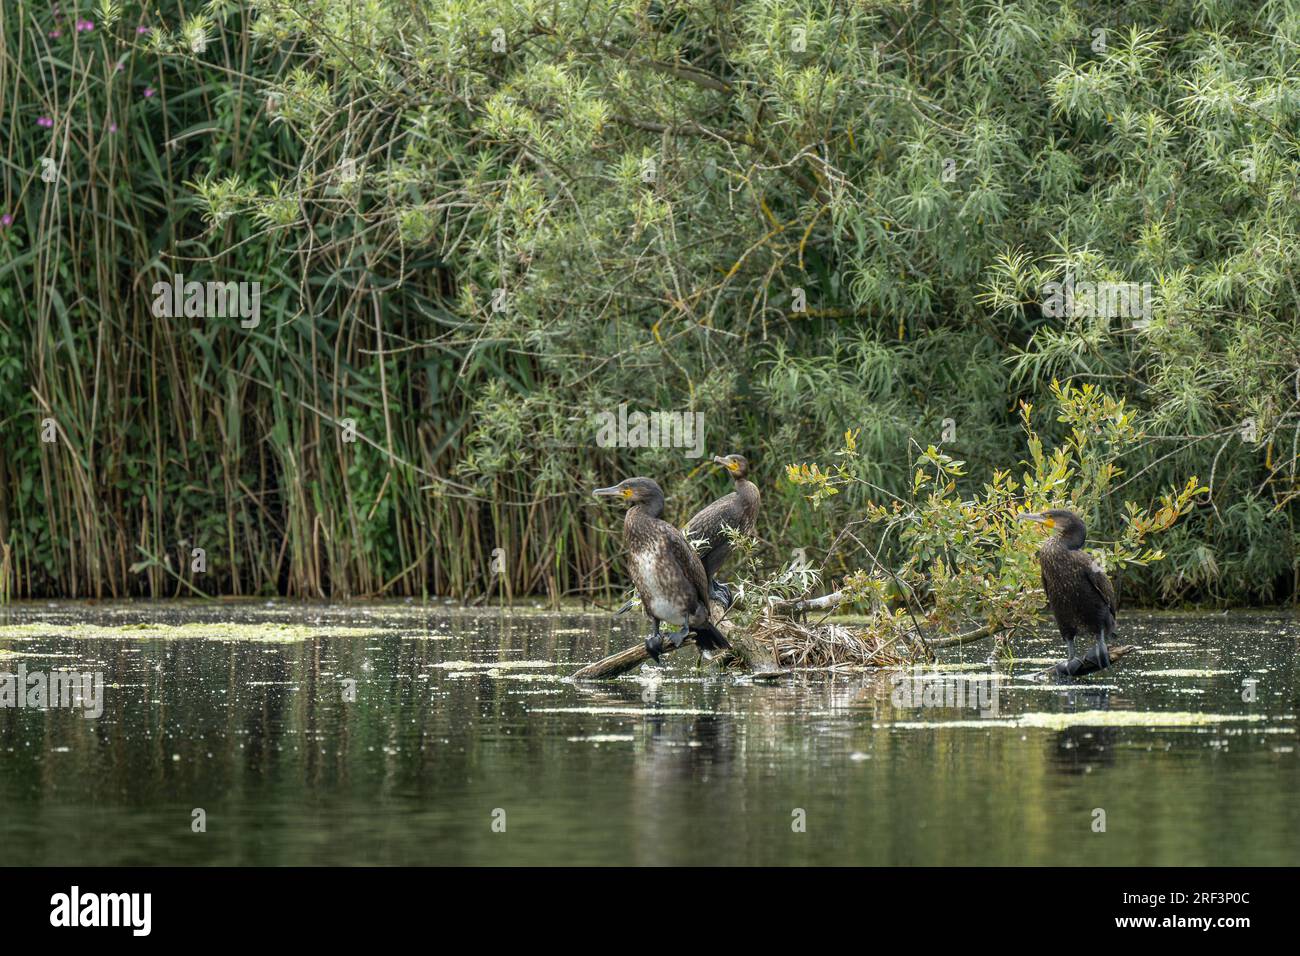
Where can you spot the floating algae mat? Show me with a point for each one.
(1088, 718)
(43, 655)
(217, 630)
(520, 677)
(625, 711)
(491, 665)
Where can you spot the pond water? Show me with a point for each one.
(403, 734)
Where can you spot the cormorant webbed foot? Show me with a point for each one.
(722, 594)
(654, 645)
(678, 638)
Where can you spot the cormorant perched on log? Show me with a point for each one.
(667, 572)
(1081, 596)
(737, 511)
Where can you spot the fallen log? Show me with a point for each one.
(770, 646)
(619, 663)
(744, 648)
(763, 647)
(773, 644)
(1088, 663)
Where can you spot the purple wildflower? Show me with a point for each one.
(45, 121)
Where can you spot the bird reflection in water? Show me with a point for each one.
(1080, 750)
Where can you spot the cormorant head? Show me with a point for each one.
(1066, 524)
(635, 491)
(737, 466)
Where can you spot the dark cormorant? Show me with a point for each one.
(1081, 596)
(667, 572)
(737, 510)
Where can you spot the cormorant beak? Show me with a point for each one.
(611, 492)
(1044, 520)
(726, 463)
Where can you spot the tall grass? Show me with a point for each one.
(173, 434)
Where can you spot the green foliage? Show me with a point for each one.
(967, 558)
(478, 223)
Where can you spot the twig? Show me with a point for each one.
(988, 630)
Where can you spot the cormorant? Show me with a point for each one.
(737, 510)
(668, 574)
(1081, 596)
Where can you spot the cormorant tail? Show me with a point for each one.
(709, 638)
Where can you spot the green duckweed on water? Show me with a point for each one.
(492, 665)
(43, 655)
(1088, 718)
(218, 630)
(626, 711)
(502, 675)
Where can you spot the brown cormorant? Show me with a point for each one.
(667, 572)
(1080, 595)
(737, 511)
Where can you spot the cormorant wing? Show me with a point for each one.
(1097, 578)
(684, 556)
(707, 523)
